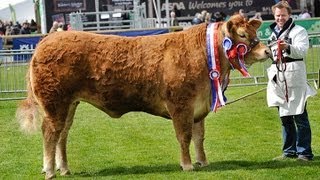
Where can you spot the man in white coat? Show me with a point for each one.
(287, 88)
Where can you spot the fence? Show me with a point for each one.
(111, 20)
(13, 68)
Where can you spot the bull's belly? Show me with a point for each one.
(115, 107)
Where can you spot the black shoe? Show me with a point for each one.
(304, 158)
(284, 157)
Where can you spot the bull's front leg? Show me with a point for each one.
(198, 139)
(183, 121)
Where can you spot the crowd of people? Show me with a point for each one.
(11, 28)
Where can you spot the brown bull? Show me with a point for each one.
(164, 75)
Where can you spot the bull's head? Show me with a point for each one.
(244, 33)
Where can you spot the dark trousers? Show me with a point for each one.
(296, 133)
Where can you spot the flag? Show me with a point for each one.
(13, 13)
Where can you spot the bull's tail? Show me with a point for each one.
(27, 112)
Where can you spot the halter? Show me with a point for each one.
(233, 51)
(282, 67)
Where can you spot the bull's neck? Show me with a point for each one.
(225, 67)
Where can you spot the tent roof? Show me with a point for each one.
(24, 10)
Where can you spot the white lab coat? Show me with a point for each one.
(295, 75)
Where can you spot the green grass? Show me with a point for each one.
(241, 140)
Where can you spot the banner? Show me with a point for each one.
(228, 7)
(1, 43)
(24, 43)
(13, 13)
(69, 5)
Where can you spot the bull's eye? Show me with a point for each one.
(242, 35)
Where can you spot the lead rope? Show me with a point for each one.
(282, 67)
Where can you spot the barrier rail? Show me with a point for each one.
(13, 68)
(115, 19)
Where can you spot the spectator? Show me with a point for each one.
(25, 29)
(69, 28)
(208, 17)
(18, 25)
(2, 28)
(55, 26)
(173, 19)
(204, 15)
(60, 27)
(176, 11)
(33, 26)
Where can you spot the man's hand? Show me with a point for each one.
(283, 45)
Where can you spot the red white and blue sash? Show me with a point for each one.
(218, 98)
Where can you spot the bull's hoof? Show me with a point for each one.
(201, 164)
(187, 167)
(65, 172)
(50, 176)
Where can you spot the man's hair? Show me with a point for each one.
(280, 5)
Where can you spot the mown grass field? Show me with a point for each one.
(241, 140)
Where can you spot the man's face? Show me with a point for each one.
(281, 16)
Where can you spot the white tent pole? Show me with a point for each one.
(159, 13)
(156, 10)
(97, 15)
(167, 13)
(42, 9)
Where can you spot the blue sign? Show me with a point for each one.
(138, 32)
(1, 43)
(24, 43)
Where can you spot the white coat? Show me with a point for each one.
(298, 89)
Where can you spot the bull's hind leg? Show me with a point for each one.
(61, 149)
(198, 132)
(52, 126)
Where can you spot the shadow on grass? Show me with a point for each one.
(214, 166)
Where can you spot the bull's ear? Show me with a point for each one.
(229, 26)
(255, 23)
